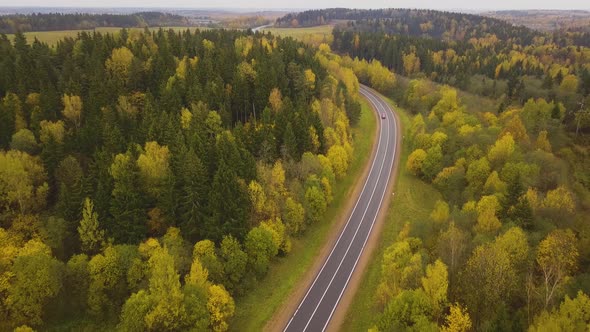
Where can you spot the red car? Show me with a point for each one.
(382, 115)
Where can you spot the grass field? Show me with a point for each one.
(413, 202)
(321, 33)
(260, 303)
(52, 37)
(312, 35)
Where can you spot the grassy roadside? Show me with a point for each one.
(413, 202)
(260, 303)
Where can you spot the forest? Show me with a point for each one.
(147, 179)
(506, 246)
(10, 24)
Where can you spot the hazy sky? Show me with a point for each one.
(275, 4)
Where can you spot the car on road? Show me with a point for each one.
(382, 115)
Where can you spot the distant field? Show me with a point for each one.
(52, 37)
(313, 35)
(322, 32)
(544, 20)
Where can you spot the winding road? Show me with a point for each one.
(321, 300)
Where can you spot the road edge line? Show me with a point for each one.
(350, 291)
(283, 314)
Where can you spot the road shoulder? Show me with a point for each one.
(354, 283)
(284, 313)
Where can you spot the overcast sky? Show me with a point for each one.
(278, 4)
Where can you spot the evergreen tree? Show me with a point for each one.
(193, 199)
(228, 205)
(128, 208)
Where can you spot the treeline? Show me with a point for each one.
(243, 22)
(48, 22)
(146, 179)
(490, 66)
(414, 22)
(506, 246)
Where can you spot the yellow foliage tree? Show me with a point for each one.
(52, 130)
(119, 63)
(502, 149)
(72, 109)
(560, 200)
(221, 308)
(487, 221)
(154, 166)
(415, 161)
(441, 212)
(458, 320)
(338, 159)
(275, 100)
(185, 118)
(557, 258)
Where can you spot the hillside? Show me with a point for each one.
(56, 21)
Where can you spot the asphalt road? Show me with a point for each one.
(319, 303)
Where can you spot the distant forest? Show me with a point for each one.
(57, 21)
(433, 24)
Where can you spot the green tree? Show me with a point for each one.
(572, 315)
(168, 312)
(92, 238)
(441, 212)
(194, 192)
(23, 188)
(410, 310)
(77, 279)
(433, 163)
(24, 140)
(315, 203)
(260, 248)
(69, 177)
(452, 248)
(477, 173)
(487, 282)
(228, 205)
(435, 285)
(178, 248)
(205, 252)
(127, 204)
(401, 269)
(37, 278)
(294, 216)
(234, 261)
(134, 311)
(9, 108)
